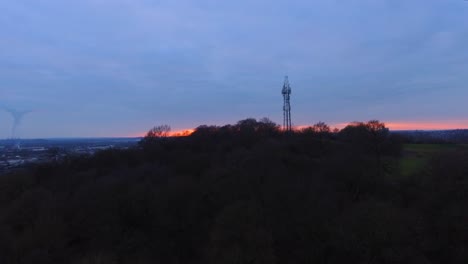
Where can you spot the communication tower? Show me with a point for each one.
(286, 105)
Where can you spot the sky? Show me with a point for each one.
(105, 68)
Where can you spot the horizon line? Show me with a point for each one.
(444, 125)
(180, 135)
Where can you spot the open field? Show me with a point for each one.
(416, 156)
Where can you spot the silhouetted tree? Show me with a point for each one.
(242, 193)
(153, 136)
(321, 128)
(158, 131)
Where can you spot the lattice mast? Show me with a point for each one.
(287, 105)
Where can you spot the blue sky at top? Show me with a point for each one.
(117, 67)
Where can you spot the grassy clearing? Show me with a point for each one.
(416, 156)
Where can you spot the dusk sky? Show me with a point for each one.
(118, 67)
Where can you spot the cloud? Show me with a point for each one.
(190, 62)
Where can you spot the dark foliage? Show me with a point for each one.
(243, 193)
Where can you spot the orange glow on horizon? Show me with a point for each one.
(392, 125)
(441, 125)
(182, 133)
(177, 133)
(415, 125)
